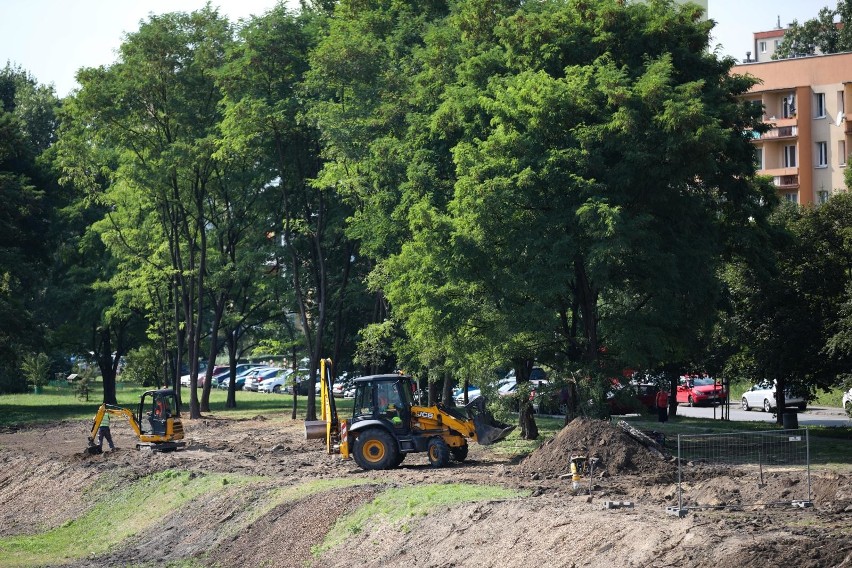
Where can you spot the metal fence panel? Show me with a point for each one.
(765, 449)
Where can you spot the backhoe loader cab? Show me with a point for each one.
(155, 423)
(387, 424)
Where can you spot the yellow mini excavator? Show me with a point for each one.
(159, 410)
(387, 424)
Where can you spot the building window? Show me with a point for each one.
(819, 105)
(822, 196)
(792, 197)
(789, 156)
(762, 45)
(821, 154)
(841, 103)
(777, 44)
(841, 153)
(788, 107)
(758, 158)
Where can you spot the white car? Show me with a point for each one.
(847, 402)
(274, 384)
(256, 377)
(763, 396)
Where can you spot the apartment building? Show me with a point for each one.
(803, 101)
(767, 43)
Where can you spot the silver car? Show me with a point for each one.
(763, 396)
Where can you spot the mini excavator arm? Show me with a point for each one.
(166, 428)
(116, 411)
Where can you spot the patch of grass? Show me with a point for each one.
(116, 516)
(513, 446)
(399, 506)
(57, 402)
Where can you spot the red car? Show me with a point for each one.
(700, 389)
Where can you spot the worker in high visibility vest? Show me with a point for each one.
(103, 432)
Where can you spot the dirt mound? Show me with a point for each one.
(617, 452)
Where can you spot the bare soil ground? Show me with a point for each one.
(734, 521)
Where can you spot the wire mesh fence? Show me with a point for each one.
(765, 450)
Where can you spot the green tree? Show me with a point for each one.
(821, 34)
(789, 313)
(35, 367)
(141, 137)
(265, 123)
(595, 186)
(30, 195)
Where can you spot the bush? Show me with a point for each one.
(35, 367)
(144, 366)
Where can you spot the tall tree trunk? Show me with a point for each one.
(433, 393)
(780, 399)
(447, 393)
(103, 355)
(587, 300)
(219, 309)
(231, 342)
(526, 415)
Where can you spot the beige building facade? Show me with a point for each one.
(804, 103)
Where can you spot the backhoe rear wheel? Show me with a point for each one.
(439, 452)
(460, 453)
(376, 449)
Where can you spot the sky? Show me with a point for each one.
(52, 39)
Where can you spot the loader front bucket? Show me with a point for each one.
(487, 434)
(488, 429)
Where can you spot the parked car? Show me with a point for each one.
(216, 379)
(472, 393)
(700, 389)
(298, 381)
(240, 379)
(507, 387)
(847, 402)
(218, 372)
(254, 378)
(275, 384)
(632, 397)
(342, 385)
(762, 396)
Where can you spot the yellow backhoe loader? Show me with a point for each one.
(164, 426)
(387, 424)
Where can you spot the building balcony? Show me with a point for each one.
(781, 133)
(783, 178)
(781, 122)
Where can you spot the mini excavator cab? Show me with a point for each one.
(159, 405)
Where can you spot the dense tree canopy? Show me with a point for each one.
(458, 186)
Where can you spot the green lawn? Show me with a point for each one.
(57, 402)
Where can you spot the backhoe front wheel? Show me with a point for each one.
(376, 449)
(439, 452)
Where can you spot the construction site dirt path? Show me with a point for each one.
(45, 477)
